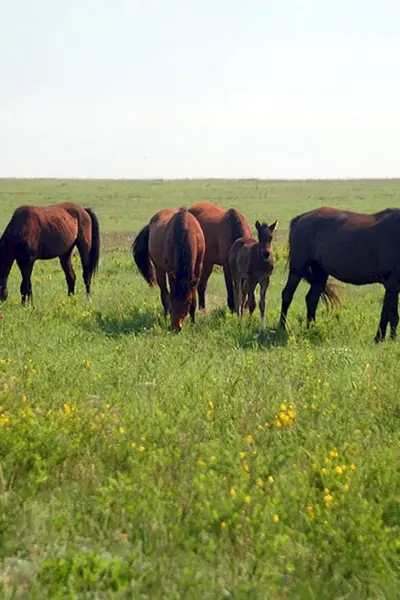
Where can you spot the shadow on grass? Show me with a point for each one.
(140, 320)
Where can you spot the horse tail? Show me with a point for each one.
(94, 254)
(140, 251)
(235, 222)
(329, 294)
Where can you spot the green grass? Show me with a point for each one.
(135, 463)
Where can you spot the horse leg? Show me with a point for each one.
(193, 303)
(394, 314)
(70, 276)
(251, 286)
(389, 314)
(162, 284)
(287, 295)
(237, 292)
(229, 287)
(320, 277)
(84, 253)
(26, 266)
(201, 290)
(263, 292)
(244, 292)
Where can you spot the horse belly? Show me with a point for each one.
(352, 268)
(56, 242)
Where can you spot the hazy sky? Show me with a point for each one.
(221, 88)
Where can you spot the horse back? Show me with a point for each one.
(185, 245)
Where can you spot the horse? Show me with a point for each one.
(46, 232)
(251, 263)
(354, 248)
(221, 228)
(172, 245)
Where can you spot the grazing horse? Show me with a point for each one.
(252, 263)
(353, 247)
(172, 245)
(221, 228)
(46, 232)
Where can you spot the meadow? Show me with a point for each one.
(224, 462)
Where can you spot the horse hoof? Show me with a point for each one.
(89, 297)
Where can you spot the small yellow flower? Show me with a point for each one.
(223, 525)
(250, 439)
(259, 483)
(122, 430)
(86, 363)
(141, 448)
(323, 470)
(24, 399)
(291, 414)
(233, 492)
(278, 423)
(346, 486)
(4, 420)
(327, 491)
(313, 406)
(353, 467)
(309, 508)
(327, 460)
(212, 458)
(328, 499)
(315, 466)
(242, 455)
(270, 479)
(333, 454)
(245, 467)
(275, 518)
(284, 407)
(67, 409)
(133, 445)
(247, 499)
(344, 467)
(338, 470)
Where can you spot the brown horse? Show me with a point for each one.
(45, 232)
(352, 247)
(221, 228)
(252, 263)
(172, 245)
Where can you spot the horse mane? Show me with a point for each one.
(183, 255)
(236, 222)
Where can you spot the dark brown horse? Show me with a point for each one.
(172, 245)
(252, 263)
(352, 247)
(45, 232)
(221, 228)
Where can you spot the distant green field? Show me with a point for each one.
(225, 462)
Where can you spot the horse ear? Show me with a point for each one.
(258, 225)
(273, 226)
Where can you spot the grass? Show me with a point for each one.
(225, 462)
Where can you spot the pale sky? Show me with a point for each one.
(178, 88)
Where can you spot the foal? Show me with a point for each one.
(252, 262)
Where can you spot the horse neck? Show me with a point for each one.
(6, 256)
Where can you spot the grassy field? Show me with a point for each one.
(225, 462)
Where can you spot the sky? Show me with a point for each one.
(213, 88)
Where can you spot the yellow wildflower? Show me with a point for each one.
(270, 479)
(338, 470)
(326, 491)
(346, 486)
(133, 445)
(212, 458)
(291, 414)
(353, 467)
(67, 409)
(315, 466)
(250, 439)
(275, 518)
(122, 430)
(259, 483)
(223, 525)
(323, 470)
(284, 407)
(333, 454)
(4, 420)
(233, 492)
(86, 363)
(242, 455)
(247, 499)
(309, 508)
(141, 448)
(328, 499)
